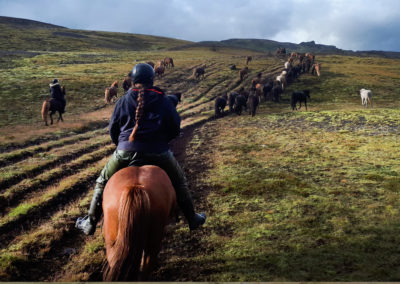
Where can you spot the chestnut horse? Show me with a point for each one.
(169, 62)
(159, 70)
(137, 205)
(243, 72)
(111, 92)
(53, 106)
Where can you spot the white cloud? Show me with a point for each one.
(348, 24)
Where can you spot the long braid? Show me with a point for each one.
(139, 113)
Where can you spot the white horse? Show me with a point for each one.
(282, 78)
(366, 96)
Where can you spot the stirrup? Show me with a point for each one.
(86, 225)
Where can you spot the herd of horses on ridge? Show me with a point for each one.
(269, 88)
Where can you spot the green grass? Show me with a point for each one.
(302, 205)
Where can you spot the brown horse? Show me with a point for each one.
(243, 72)
(53, 106)
(159, 70)
(127, 84)
(316, 68)
(168, 62)
(151, 63)
(137, 205)
(111, 92)
(248, 59)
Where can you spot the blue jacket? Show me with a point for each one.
(159, 124)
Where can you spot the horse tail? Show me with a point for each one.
(133, 222)
(107, 95)
(45, 110)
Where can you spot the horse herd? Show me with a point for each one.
(269, 88)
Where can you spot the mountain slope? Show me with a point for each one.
(28, 35)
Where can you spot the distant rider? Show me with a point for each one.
(57, 94)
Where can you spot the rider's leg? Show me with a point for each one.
(87, 224)
(170, 165)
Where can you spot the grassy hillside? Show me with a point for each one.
(27, 35)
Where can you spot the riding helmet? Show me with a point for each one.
(55, 81)
(142, 73)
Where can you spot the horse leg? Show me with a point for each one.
(51, 117)
(305, 103)
(60, 117)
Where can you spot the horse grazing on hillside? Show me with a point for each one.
(267, 88)
(243, 72)
(315, 68)
(137, 205)
(299, 97)
(220, 104)
(276, 91)
(252, 103)
(231, 100)
(256, 80)
(240, 103)
(159, 70)
(127, 84)
(175, 98)
(248, 59)
(281, 51)
(53, 106)
(366, 97)
(198, 73)
(168, 62)
(111, 92)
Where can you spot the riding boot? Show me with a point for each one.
(88, 223)
(195, 220)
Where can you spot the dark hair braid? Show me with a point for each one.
(139, 114)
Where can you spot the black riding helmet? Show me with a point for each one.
(142, 73)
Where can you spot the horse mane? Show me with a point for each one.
(133, 220)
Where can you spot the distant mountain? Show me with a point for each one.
(265, 45)
(15, 37)
(27, 35)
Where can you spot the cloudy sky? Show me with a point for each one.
(347, 24)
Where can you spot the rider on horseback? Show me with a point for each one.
(57, 95)
(143, 144)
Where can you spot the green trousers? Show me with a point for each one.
(166, 160)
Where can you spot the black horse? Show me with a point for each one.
(175, 98)
(231, 100)
(301, 97)
(240, 103)
(267, 88)
(252, 103)
(277, 91)
(220, 104)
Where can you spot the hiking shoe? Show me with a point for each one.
(86, 225)
(198, 220)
